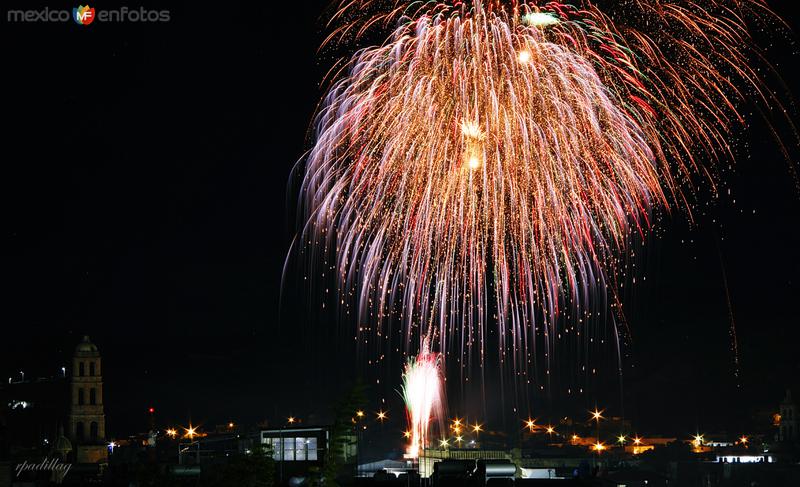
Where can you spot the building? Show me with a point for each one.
(58, 417)
(305, 445)
(787, 420)
(31, 412)
(429, 457)
(300, 450)
(86, 419)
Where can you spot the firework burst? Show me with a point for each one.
(491, 162)
(423, 393)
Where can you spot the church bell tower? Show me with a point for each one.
(87, 423)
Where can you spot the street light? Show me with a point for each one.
(530, 424)
(443, 443)
(359, 434)
(477, 428)
(597, 416)
(381, 415)
(291, 419)
(697, 442)
(637, 440)
(743, 440)
(621, 439)
(191, 432)
(172, 432)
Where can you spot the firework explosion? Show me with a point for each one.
(492, 162)
(423, 394)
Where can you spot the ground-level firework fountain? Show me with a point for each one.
(424, 396)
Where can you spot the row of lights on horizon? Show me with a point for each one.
(459, 427)
(189, 432)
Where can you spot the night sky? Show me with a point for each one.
(147, 204)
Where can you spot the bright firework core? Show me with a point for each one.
(424, 397)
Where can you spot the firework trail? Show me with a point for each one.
(491, 162)
(732, 327)
(423, 393)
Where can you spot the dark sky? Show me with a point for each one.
(145, 187)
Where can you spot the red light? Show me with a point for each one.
(151, 410)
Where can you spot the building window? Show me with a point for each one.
(288, 449)
(92, 396)
(276, 447)
(93, 430)
(91, 368)
(311, 449)
(80, 397)
(300, 449)
(79, 430)
(81, 369)
(293, 449)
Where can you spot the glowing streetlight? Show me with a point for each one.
(530, 424)
(406, 434)
(230, 425)
(621, 439)
(598, 447)
(743, 440)
(459, 439)
(360, 413)
(637, 440)
(172, 432)
(550, 430)
(291, 420)
(190, 432)
(476, 428)
(443, 443)
(381, 415)
(697, 441)
(456, 423)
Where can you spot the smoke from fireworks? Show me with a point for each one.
(493, 161)
(423, 394)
